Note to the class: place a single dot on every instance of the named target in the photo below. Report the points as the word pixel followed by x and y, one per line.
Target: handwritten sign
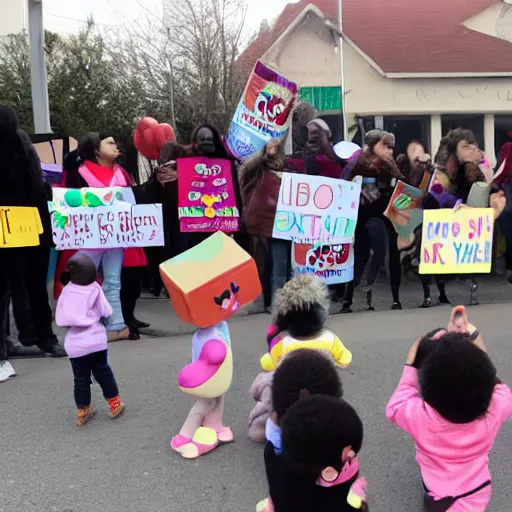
pixel 404 209
pixel 19 226
pixel 206 196
pixel 106 227
pixel 333 264
pixel 314 208
pixel 91 197
pixel 457 242
pixel 263 112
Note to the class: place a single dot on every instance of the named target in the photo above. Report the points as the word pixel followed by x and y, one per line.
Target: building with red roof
pixel 415 67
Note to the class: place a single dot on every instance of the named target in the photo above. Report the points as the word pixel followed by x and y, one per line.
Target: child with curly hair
pixel 301 308
pixel 450 401
pixel 302 374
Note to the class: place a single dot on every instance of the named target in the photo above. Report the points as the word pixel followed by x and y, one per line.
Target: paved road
pixel 48 465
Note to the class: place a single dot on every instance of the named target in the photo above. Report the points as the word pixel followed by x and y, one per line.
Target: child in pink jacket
pixel 81 307
pixel 451 403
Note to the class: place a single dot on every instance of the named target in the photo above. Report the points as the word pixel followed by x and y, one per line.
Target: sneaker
pixel 116 407
pixel 84 414
pixel 9 369
pixel 4 371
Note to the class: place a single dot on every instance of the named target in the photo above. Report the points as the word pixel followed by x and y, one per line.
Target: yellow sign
pixel 457 241
pixel 19 226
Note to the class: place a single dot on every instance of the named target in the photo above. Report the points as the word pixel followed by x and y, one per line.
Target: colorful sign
pixel 314 208
pixel 19 226
pixel 457 241
pixel 103 218
pixel 206 196
pixel 263 112
pixel 333 264
pixel 404 209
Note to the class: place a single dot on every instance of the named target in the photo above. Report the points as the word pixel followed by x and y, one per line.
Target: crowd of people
pixel 459 163
pixel 449 399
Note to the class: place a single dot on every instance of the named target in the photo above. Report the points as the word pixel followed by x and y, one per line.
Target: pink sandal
pixel 204 441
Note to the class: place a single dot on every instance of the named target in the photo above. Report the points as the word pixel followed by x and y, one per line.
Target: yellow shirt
pixel 326 341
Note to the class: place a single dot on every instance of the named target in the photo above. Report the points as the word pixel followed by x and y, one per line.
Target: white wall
pixel 13 16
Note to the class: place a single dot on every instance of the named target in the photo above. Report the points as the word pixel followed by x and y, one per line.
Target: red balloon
pixel 150 136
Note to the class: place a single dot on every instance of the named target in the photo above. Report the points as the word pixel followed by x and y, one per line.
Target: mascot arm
pixel 341 354
pixel 270 359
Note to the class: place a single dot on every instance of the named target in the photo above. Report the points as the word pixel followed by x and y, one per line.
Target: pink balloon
pixel 150 136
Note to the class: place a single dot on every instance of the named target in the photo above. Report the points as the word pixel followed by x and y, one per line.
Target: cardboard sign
pixel 313 208
pixel 91 197
pixel 19 226
pixel 263 112
pixel 211 281
pixel 457 241
pixel 333 264
pixel 404 209
pixel 206 196
pixel 106 227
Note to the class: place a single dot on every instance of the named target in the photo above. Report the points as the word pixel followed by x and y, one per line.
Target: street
pixel 49 465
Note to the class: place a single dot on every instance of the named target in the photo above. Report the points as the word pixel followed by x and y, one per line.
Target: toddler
pixel 81 307
pixel 301 310
pixel 301 374
pixel 451 403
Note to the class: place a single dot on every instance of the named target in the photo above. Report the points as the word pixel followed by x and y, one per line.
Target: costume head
pixel 82 270
pixel 211 281
pixel 321 434
pixel 303 373
pixel 302 306
pixel 101 149
pixel 457 379
pixel 207 141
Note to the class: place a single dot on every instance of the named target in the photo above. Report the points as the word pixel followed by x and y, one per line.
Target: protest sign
pixel 19 226
pixel 457 241
pixel 313 208
pixel 206 196
pixel 404 209
pixel 106 227
pixel 263 112
pixel 91 197
pixel 333 264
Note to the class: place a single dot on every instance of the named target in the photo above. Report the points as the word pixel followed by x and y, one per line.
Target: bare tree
pixel 186 59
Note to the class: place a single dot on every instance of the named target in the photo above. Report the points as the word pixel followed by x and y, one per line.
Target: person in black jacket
pixel 24 270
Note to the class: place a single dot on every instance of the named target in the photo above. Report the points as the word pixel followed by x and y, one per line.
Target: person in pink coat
pixel 81 308
pixel 450 401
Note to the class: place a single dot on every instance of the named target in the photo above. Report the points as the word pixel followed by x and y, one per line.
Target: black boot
pixel 139 324
pixel 52 348
pixel 17 350
pixel 472 291
pixel 369 304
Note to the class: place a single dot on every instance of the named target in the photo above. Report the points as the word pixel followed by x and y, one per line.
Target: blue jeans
pixel 280 254
pixel 111 261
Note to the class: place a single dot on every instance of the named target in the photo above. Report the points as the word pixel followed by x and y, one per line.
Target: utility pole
pixel 342 71
pixel 40 104
pixel 170 79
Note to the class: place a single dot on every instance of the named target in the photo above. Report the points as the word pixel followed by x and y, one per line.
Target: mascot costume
pixel 207 284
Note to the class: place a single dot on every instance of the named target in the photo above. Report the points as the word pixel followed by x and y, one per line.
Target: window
pixel 472 122
pixel 407 128
pixel 502 131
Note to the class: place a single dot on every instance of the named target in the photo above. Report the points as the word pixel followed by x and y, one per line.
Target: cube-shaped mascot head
pixel 211 281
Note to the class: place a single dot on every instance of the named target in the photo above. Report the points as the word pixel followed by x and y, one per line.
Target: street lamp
pixel 40 104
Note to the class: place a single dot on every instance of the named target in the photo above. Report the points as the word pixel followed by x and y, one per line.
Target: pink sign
pixel 206 196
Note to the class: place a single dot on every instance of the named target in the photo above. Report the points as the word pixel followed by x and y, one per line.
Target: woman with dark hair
pixel 97 167
pixel 207 141
pixel 374 232
pixel 23 270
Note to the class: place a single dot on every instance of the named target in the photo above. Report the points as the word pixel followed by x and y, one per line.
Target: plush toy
pixel 207 284
pixel 300 312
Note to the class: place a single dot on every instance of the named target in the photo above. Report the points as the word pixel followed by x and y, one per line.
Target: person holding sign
pixel 374 232
pixel 23 270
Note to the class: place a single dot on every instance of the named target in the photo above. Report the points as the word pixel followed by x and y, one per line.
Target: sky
pixel 69 15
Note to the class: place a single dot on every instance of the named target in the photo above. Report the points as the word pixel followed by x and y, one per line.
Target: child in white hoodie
pixel 81 307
